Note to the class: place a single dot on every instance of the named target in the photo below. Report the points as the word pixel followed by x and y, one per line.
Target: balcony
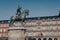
pixel 12 28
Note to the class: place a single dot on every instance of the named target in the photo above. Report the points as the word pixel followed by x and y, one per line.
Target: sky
pixel 36 8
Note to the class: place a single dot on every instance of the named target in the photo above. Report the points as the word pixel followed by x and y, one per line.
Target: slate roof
pixel 32 18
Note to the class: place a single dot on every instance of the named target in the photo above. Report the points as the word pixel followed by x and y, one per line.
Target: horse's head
pixel 26 12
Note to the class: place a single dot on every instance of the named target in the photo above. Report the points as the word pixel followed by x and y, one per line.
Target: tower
pixel 17 31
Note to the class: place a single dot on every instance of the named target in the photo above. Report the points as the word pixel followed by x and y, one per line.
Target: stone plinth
pixel 16 33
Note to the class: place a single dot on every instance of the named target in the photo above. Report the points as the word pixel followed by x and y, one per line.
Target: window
pixel 53 18
pixel 0 30
pixel 44 39
pixel 7 25
pixel 4 30
pixel 55 39
pixel 29 38
pixel 48 18
pixel 34 39
pixel 4 35
pixel 1 25
pixel 50 39
pixel 58 18
pixel 43 19
pixel 0 35
pixel 29 34
pixel 34 34
pixel 39 38
pixel 25 38
pixel 4 25
pixel 6 38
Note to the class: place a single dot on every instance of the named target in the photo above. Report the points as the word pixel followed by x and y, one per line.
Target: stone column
pixel 42 38
pixel 36 38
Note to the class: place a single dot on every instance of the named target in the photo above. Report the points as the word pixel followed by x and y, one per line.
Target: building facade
pixel 33 28
pixel 37 28
pixel 41 28
pixel 4 25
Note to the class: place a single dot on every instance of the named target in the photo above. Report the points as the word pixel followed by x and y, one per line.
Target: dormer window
pixel 53 18
pixel 38 18
pixel 48 18
pixel 58 18
pixel 2 22
pixel 34 20
pixel 43 19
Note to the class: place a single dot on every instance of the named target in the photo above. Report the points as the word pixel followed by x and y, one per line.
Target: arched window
pixel 39 38
pixel 50 39
pixel 44 39
pixel 25 38
pixel 55 39
pixel 29 38
pixel 34 39
pixel 6 39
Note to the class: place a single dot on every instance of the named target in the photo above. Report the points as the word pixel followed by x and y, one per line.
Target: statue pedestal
pixel 16 33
